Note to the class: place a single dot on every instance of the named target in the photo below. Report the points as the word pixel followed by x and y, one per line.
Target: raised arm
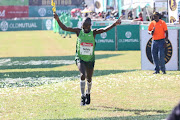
pixel 76 30
pixel 101 30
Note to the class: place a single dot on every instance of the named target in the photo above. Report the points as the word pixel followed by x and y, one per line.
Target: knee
pixel 83 76
pixel 89 79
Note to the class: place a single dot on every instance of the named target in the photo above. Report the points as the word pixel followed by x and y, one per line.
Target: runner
pixel 85 58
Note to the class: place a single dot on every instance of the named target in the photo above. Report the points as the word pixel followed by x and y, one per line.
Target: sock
pixel 82 86
pixel 89 87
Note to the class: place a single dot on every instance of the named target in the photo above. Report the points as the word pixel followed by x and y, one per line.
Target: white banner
pixel 171 52
pixel 173 10
pixel 98 5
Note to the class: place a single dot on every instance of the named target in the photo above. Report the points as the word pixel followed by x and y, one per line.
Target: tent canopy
pixel 137 4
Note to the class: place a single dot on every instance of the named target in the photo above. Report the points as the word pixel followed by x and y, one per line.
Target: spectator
pixel 158 29
pixel 140 18
pixel 130 15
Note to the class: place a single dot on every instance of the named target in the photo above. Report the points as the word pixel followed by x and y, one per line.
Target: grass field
pixel 39 80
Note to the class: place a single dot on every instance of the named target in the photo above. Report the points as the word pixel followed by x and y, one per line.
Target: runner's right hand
pixel 55 16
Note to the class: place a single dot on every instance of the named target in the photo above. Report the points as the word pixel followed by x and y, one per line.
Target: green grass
pixel 50 90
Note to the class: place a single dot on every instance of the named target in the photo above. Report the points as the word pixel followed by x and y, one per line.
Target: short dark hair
pixel 87 19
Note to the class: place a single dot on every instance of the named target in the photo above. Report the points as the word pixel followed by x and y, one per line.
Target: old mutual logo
pixel 48 24
pixel 103 35
pixel 128 34
pixel 42 12
pixel 173 5
pixel 4 26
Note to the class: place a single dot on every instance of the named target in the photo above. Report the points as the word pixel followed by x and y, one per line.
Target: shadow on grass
pixel 38 74
pixel 136 111
pixel 160 114
pixel 42 62
pixel 143 117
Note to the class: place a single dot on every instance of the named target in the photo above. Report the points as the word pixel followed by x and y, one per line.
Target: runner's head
pixel 86 25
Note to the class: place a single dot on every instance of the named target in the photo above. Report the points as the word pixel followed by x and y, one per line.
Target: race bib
pixel 86 48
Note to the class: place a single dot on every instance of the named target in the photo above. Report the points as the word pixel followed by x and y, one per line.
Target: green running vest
pixel 85 46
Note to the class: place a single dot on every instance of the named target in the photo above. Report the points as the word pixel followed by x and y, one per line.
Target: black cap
pixel 156 14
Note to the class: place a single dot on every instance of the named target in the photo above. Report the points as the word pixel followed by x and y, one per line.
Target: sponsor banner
pixel 57 2
pixel 46 11
pixel 14 2
pixel 47 24
pixel 35 2
pixel 171 51
pixel 106 40
pixel 173 11
pixel 20 25
pixel 13 12
pixel 128 37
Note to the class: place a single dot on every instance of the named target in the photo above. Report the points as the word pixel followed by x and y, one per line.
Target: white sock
pixel 82 87
pixel 89 87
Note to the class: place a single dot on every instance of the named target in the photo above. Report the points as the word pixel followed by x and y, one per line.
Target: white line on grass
pixel 8 62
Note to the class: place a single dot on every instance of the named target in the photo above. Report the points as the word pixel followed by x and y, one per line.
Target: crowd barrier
pixel 122 37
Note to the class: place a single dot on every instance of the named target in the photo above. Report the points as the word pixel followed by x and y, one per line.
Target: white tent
pixel 137 3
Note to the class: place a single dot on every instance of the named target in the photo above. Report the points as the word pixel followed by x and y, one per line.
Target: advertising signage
pixel 57 2
pixel 35 2
pixel 14 2
pixel 21 25
pixel 106 40
pixel 128 37
pixel 13 12
pixel 46 11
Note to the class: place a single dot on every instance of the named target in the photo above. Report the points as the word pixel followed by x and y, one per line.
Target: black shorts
pixel 89 65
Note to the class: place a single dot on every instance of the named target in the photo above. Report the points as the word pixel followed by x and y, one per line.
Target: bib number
pixel 86 48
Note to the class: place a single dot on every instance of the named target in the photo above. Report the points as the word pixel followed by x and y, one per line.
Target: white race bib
pixel 86 48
